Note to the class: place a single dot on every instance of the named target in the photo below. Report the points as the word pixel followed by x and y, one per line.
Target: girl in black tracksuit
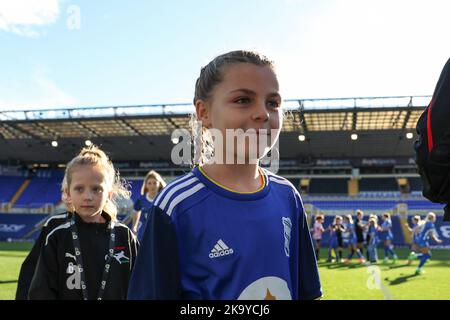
pixel 86 254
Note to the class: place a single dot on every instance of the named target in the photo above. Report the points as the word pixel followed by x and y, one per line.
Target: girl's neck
pixel 150 195
pixel 241 178
pixel 97 218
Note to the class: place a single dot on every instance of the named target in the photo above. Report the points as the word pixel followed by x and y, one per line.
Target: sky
pixel 66 54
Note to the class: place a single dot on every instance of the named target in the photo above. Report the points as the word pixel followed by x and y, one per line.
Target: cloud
pixel 37 93
pixel 21 16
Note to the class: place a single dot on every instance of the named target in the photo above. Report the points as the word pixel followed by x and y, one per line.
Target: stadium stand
pixel 8 187
pixel 378 184
pixel 328 186
pixel 324 166
pixel 415 184
pixel 40 191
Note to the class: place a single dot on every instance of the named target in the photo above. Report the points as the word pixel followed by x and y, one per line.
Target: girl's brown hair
pixel 94 156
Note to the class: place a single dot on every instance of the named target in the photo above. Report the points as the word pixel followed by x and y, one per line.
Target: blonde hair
pixel 431 216
pixel 94 156
pixel 349 218
pixel 152 175
pixel 417 218
pixel 210 76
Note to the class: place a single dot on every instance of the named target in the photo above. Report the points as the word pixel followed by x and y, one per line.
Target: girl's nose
pixel 261 113
pixel 88 196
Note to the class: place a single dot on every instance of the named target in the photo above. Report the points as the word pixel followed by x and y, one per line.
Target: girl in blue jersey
pixel 415 232
pixel 336 229
pixel 427 232
pixel 373 239
pixel 351 240
pixel 386 236
pixel 229 229
pixel 152 184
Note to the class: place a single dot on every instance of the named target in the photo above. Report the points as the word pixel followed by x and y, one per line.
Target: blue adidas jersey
pixel 386 233
pixel 373 235
pixel 427 229
pixel 203 241
pixel 333 234
pixel 144 205
pixel 349 233
pixel 416 234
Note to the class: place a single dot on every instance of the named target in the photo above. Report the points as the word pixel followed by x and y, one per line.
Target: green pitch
pixel 11 258
pixel 396 281
pixel 339 281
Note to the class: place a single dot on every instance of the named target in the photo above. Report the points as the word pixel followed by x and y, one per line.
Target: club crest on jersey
pixel 287 227
pixel 267 288
pixel 220 249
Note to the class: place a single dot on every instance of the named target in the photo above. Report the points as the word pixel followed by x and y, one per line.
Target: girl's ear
pixel 67 200
pixel 65 196
pixel 202 109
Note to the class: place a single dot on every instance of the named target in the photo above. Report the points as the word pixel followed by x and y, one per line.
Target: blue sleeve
pixel 309 281
pixel 156 274
pixel 138 205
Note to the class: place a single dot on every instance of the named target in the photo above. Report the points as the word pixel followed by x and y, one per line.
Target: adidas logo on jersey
pixel 220 249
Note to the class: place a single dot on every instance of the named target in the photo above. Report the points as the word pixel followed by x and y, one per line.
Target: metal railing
pixel 186 108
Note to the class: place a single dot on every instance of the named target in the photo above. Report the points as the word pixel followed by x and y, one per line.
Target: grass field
pixel 339 281
pixel 11 258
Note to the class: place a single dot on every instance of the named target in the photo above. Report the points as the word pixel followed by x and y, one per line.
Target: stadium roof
pixel 130 132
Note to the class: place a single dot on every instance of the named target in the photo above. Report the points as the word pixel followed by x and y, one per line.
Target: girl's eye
pixel 97 189
pixel 273 104
pixel 242 100
pixel 79 189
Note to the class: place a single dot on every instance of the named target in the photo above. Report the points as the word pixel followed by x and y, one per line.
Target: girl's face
pixel 246 98
pixel 152 186
pixel 88 192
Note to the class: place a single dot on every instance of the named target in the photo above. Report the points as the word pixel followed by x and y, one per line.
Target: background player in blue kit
pixel 427 232
pixel 152 184
pixel 373 239
pixel 385 235
pixel 350 240
pixel 336 243
pixel 415 233
pixel 360 231
pixel 228 230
